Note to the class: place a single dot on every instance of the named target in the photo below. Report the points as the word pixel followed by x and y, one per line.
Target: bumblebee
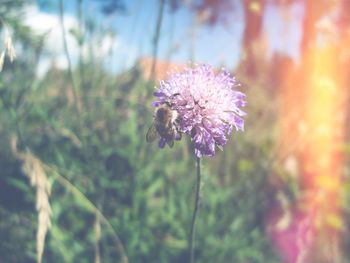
pixel 164 125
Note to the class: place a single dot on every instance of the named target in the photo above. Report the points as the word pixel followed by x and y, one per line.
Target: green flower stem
pixel 195 212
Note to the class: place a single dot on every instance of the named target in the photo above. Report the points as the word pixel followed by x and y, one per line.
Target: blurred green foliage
pixel 145 193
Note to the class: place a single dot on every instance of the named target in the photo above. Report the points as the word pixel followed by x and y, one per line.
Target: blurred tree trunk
pixel 253 16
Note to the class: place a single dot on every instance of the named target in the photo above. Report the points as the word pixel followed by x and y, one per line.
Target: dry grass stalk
pixel 2 60
pixel 9 48
pixel 34 169
pixel 97 230
pixel 11 53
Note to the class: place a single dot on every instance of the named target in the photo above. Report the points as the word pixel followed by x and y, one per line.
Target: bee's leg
pixel 174 95
pixel 162 142
pixel 178 136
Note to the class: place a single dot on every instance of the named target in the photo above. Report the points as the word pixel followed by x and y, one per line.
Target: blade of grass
pixel 92 207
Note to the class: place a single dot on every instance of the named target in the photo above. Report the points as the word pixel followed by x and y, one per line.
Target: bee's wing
pixel 220 147
pixel 151 134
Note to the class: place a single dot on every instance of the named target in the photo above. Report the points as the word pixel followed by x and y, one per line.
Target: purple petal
pixel 239 123
pixel 156 103
pixel 217 132
pixel 159 94
pixel 203 142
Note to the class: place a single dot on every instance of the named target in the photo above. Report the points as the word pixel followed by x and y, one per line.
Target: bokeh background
pixel 78 181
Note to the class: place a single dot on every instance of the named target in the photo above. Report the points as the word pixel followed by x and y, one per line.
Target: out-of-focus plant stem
pixel 80 43
pixel 71 76
pixel 195 212
pixel 156 37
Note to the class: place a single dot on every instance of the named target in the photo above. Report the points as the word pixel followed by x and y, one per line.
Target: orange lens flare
pixel 324 120
pixel 313 125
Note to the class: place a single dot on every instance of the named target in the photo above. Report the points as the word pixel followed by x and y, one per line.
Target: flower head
pixel 206 103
